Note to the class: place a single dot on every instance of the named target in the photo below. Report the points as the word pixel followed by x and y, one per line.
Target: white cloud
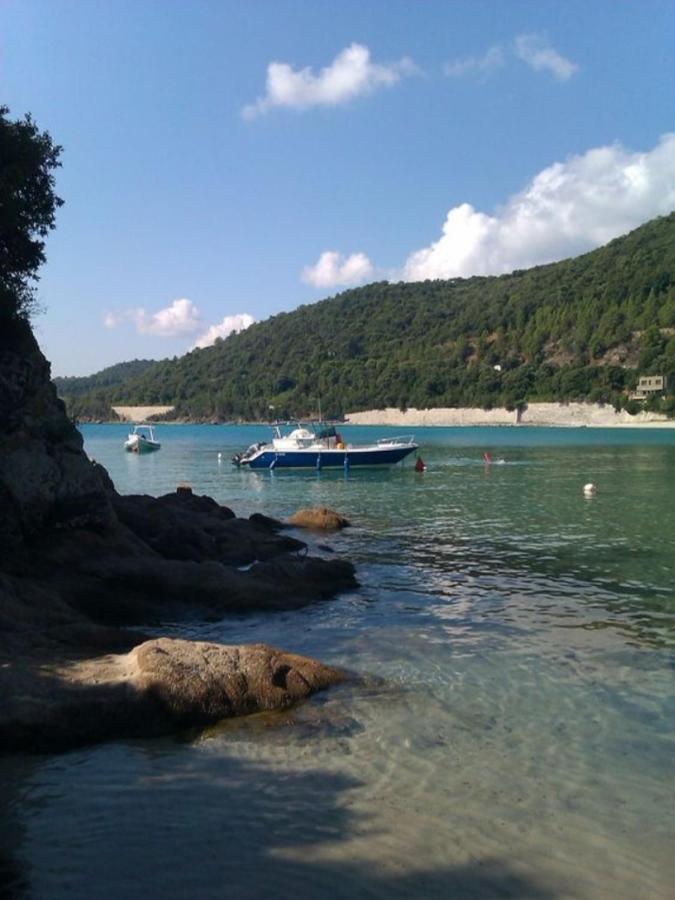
pixel 482 66
pixel 351 74
pixel 533 50
pixel 567 209
pixel 333 269
pixel 229 325
pixel 180 318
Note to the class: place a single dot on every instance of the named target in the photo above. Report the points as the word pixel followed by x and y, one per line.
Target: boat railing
pixel 399 439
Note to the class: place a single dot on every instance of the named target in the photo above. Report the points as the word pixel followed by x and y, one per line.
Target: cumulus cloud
pixel 568 208
pixel 229 325
pixel 333 269
pixel 481 66
pixel 180 318
pixel 533 50
pixel 350 75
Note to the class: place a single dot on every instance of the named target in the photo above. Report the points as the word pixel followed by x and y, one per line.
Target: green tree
pixel 28 207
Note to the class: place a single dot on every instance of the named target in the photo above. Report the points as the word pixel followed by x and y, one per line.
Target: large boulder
pixel 319 518
pixel 197 682
pixel 55 702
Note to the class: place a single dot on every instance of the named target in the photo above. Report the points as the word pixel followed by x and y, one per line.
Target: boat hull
pixel 329 459
pixel 141 446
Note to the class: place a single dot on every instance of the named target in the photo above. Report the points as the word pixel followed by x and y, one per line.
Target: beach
pixel 556 415
pixel 140 413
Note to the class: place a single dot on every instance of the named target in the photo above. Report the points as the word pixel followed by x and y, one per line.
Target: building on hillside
pixel 649 386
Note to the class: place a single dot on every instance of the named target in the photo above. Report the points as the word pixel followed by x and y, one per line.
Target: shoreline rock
pixel 158 687
pixel 78 561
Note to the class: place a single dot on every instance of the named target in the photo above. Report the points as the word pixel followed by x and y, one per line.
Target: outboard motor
pixel 240 459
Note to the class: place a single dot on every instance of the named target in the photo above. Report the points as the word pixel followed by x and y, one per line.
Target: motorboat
pixel 319 447
pixel 141 440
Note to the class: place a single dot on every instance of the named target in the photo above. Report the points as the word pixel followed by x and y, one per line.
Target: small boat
pixel 141 440
pixel 319 447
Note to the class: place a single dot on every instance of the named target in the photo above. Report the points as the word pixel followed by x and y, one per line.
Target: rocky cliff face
pixel 77 561
pixel 46 480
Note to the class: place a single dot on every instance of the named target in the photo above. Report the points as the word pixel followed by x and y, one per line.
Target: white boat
pixel 141 440
pixel 322 447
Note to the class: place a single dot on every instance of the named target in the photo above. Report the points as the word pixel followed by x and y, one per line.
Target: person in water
pixel 487 456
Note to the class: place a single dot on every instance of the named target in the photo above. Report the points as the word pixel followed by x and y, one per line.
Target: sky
pixel 226 161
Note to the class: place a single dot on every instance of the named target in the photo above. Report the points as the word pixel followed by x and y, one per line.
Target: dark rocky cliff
pixel 46 481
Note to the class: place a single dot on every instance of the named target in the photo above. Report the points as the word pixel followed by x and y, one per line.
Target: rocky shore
pixel 79 563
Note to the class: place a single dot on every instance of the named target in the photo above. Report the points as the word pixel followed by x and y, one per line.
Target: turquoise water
pixel 520 744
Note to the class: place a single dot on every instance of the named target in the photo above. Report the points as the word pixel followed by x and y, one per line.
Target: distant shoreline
pixel 552 415
pixel 545 415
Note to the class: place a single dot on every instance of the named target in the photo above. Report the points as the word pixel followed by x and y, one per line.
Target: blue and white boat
pixel 322 447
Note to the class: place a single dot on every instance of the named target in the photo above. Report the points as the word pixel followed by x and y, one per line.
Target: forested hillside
pixel 581 329
pixel 96 388
pixel 109 377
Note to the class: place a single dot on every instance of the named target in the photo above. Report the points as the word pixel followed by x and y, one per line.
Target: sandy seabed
pixel 558 415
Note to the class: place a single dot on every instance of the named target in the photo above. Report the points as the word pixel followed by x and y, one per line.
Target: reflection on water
pixel 518 742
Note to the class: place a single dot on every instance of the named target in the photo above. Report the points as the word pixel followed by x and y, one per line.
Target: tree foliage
pixel 28 205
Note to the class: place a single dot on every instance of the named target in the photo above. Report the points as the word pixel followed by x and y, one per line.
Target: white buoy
pixel 220 456
pixel 590 489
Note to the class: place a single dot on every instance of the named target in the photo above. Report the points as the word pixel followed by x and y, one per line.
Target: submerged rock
pixel 320 518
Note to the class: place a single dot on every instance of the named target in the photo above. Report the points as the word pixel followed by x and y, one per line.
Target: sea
pixel 513 731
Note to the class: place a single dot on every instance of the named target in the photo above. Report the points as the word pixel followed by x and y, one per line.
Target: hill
pixel 580 329
pixel 76 386
pixel 96 388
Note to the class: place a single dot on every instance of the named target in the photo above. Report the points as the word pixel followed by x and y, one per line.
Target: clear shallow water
pixel 521 744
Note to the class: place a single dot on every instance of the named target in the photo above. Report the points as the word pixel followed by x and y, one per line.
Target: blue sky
pixel 224 161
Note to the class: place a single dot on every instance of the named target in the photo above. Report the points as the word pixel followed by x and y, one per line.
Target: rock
pixel 77 560
pixel 183 526
pixel 320 518
pixel 46 481
pixel 199 683
pixel 265 522
pixel 56 703
pixel 308 578
pixel 118 590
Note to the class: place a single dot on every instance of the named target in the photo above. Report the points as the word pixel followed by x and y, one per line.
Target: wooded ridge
pixel 580 329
